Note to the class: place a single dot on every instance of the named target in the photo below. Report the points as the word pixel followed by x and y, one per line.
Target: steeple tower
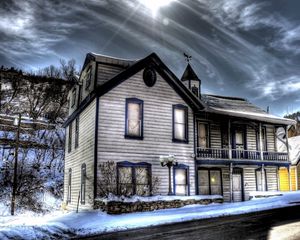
pixel 190 78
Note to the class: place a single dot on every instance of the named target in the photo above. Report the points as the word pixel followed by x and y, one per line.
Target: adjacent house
pixel 134 112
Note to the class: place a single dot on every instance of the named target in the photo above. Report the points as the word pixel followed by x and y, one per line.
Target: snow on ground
pixel 93 222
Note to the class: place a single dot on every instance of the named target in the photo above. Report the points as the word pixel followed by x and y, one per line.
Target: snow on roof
pixel 239 107
pixel 94 222
pixel 294 148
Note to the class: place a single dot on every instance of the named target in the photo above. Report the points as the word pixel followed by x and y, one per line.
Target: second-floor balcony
pixel 222 153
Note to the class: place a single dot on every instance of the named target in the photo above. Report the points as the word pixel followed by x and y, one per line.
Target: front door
pixel 237 188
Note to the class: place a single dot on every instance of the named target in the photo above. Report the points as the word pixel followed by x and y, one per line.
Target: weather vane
pixel 188 58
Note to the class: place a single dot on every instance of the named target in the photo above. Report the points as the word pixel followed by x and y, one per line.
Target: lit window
pixel 180 125
pixel 181 181
pixel 203 140
pixel 134 118
pixel 209 182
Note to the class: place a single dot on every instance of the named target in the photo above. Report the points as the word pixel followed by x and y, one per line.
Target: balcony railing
pixel 218 153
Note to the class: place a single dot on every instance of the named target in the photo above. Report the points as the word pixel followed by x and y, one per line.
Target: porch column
pixel 231 182
pixel 296 177
pixel 260 143
pixel 229 140
pixel 287 144
pixel 290 178
pixel 278 179
pixel 263 181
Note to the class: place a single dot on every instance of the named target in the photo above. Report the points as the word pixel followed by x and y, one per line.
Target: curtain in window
pixel 202 135
pixel 134 121
pixel 179 124
pixel 181 181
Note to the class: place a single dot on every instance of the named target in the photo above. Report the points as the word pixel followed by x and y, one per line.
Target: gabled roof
pixel 189 74
pixel 239 107
pixel 154 61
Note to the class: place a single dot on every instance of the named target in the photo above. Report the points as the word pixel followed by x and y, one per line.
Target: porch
pixel 223 153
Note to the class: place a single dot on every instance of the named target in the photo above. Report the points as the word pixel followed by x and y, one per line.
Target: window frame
pixel 209 182
pixel 133 166
pixel 207 124
pixel 141 116
pixel 266 180
pixel 77 132
pixel 185 108
pixel 83 183
pixel 69 190
pixel 70 137
pixel 186 168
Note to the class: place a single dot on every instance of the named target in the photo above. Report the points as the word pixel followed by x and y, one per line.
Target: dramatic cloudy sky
pixel 246 48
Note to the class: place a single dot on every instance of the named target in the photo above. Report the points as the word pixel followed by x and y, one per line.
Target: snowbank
pixel 61 225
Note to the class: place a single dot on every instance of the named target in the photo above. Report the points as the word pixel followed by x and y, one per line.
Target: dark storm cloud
pixel 240 47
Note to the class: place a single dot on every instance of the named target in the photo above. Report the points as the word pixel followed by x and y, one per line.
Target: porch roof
pixel 240 107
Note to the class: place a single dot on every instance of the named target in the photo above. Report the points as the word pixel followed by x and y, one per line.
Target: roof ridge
pixel 226 97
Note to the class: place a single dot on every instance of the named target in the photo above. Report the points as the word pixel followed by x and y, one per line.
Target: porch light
pixel 168 161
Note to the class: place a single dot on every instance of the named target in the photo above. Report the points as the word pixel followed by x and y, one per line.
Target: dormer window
pixel 88 78
pixel 73 97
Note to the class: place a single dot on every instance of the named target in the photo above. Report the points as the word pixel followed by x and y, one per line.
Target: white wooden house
pixel 133 112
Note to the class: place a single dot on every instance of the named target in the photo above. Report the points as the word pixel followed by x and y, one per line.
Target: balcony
pixel 218 153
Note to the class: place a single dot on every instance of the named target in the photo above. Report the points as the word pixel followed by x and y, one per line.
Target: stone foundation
pixel 119 207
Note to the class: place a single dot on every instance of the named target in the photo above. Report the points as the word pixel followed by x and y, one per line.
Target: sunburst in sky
pixel 245 48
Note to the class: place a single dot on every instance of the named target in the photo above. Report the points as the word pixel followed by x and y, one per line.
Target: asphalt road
pixel 271 224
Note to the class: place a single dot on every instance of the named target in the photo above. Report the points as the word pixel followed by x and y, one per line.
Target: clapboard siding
pixel 270 138
pixel 249 181
pixel 158 101
pixel 215 135
pixel 251 138
pixel 105 72
pixel 272 179
pixel 83 154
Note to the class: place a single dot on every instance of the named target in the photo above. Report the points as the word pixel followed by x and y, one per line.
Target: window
pixel 195 90
pixel 69 185
pixel 209 181
pixel 70 138
pixel 83 185
pixel 181 183
pixel 88 78
pixel 73 97
pixel 203 135
pixel 224 133
pixel 77 132
pixel 134 178
pixel 259 180
pixel 180 123
pixel 134 118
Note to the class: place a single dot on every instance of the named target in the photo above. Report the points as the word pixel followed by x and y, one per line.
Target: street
pixel 270 224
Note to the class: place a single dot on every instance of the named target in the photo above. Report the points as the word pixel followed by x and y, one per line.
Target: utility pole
pixel 15 182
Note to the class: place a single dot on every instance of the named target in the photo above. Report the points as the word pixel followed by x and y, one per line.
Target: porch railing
pixel 221 153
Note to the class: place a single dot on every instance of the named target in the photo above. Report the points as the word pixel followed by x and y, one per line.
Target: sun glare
pixel 155 5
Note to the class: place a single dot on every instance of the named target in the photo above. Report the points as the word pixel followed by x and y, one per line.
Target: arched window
pixel 83 185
